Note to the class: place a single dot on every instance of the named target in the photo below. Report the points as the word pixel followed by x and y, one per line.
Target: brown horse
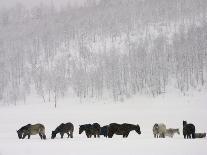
pixel 122 129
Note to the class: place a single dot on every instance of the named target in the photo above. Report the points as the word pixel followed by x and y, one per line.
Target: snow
pixel 170 109
pixel 111 51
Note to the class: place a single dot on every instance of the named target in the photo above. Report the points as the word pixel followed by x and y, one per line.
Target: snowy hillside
pixel 103 49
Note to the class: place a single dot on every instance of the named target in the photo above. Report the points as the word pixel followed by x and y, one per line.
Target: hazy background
pixel 31 3
pixel 114 49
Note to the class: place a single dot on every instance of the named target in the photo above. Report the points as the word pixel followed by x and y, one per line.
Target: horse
pixel 90 129
pixel 29 130
pixel 200 135
pixel 122 129
pixel 170 132
pixel 67 128
pixel 159 130
pixel 188 130
pixel 96 128
pixel 86 128
pixel 104 131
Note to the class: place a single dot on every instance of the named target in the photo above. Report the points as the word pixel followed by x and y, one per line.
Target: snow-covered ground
pixel 169 109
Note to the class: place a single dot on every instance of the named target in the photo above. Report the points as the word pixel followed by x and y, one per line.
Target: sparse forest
pixel 113 48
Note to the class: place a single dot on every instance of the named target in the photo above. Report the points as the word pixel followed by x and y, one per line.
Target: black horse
pixel 104 131
pixel 200 135
pixel 67 128
pixel 86 128
pixel 122 129
pixel 188 130
pixel 90 129
pixel 22 131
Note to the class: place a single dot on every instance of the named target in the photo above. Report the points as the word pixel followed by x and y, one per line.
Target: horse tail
pixel 193 134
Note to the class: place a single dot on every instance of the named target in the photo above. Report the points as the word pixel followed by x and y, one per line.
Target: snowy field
pixel 169 109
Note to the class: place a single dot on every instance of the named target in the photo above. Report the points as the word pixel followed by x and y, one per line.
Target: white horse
pixel 159 130
pixel 170 132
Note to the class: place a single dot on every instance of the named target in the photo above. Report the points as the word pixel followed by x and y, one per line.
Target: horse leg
pixel 189 136
pixel 110 134
pixel 40 135
pixel 126 134
pixel 87 135
pixel 160 135
pixel 68 134
pixel 71 134
pixel 61 134
pixel 24 135
pixel 193 135
pixel 28 136
pixel 43 136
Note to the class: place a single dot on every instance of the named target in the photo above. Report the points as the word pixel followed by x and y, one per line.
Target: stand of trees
pixel 113 47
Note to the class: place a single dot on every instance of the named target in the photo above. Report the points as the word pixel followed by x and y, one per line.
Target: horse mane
pixel 59 127
pixel 25 127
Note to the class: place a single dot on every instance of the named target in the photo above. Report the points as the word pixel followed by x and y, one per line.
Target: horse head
pixel 19 133
pixel 53 134
pixel 138 129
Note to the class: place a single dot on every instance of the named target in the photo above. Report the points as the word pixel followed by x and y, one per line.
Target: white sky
pixel 31 3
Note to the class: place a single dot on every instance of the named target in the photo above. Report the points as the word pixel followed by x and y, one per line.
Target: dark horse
pixel 90 129
pixel 67 128
pixel 188 130
pixel 122 129
pixel 104 131
pixel 200 135
pixel 29 130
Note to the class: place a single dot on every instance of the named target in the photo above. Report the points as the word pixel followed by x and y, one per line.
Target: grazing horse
pixel 200 135
pixel 159 130
pixel 188 130
pixel 122 129
pixel 90 129
pixel 86 128
pixel 67 128
pixel 104 131
pixel 170 132
pixel 29 130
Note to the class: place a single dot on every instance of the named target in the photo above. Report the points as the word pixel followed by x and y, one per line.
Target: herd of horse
pixel 159 130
